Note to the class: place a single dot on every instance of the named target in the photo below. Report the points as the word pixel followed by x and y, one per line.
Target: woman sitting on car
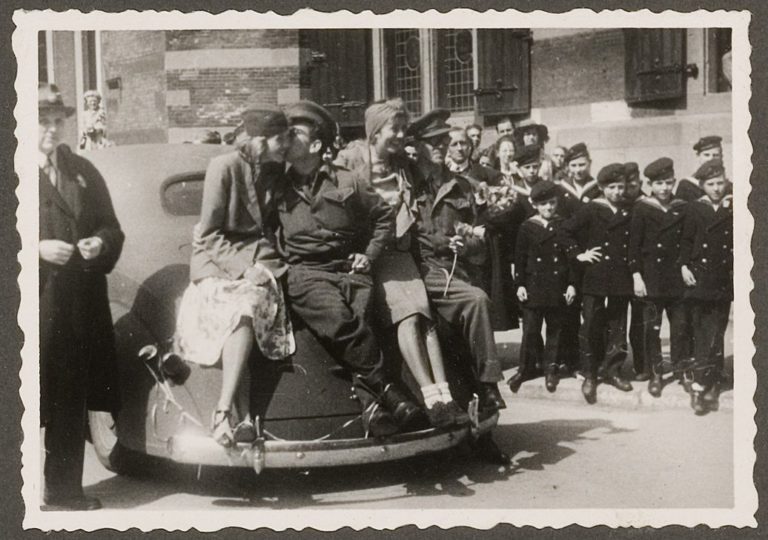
pixel 400 296
pixel 235 298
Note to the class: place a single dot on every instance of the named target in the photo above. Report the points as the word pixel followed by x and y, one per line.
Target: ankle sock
pixel 445 392
pixel 431 395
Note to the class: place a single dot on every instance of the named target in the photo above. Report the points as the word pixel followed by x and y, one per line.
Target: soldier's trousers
pixel 603 334
pixel 710 321
pixel 637 336
pixel 335 306
pixel 532 350
pixel 466 308
pixel 653 308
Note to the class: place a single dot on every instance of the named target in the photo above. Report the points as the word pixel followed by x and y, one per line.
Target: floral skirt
pixel 212 308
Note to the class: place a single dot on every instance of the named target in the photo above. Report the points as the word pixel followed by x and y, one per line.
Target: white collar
pixel 456 168
pixel 42 160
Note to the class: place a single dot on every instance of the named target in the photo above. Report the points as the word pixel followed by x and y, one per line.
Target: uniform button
pixel 703 260
pixel 538 259
pixel 659 245
pixel 554 259
pixel 658 260
pixel 605 243
pixel 623 245
pixel 704 245
pixel 725 246
pixel 607 257
pixel 626 233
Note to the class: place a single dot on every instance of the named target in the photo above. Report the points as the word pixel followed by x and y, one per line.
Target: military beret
pixel 430 125
pixel 610 174
pixel 264 121
pixel 576 151
pixel 543 191
pixel 631 169
pixel 710 141
pixel 527 154
pixel 49 100
pixel 709 169
pixel 316 115
pixel 660 169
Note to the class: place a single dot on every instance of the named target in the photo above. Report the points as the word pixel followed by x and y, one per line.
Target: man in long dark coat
pixel 80 242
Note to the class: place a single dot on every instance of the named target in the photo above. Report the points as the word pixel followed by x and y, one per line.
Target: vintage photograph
pixel 416 268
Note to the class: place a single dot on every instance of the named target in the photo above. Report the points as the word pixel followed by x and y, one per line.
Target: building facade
pixel 630 94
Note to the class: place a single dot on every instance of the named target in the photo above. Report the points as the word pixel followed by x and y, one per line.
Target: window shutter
pixel 504 71
pixel 341 72
pixel 655 64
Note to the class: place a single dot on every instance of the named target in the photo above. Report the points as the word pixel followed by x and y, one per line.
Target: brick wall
pixel 582 68
pixel 137 110
pixel 209 88
pixel 182 40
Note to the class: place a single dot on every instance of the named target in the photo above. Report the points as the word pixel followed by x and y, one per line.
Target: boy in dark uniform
pixel 603 224
pixel 707 148
pixel 654 245
pixel 636 340
pixel 332 230
pixel 706 257
pixel 579 183
pixel 546 277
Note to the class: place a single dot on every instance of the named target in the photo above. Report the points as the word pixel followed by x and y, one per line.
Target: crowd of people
pixel 411 227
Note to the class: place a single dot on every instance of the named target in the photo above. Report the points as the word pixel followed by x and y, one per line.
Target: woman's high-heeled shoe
pixel 222 429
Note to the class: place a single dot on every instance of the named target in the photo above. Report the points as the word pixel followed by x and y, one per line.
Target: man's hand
pixel 361 264
pixel 640 290
pixel 688 278
pixel 590 256
pixel 90 248
pixel 570 295
pixel 56 251
pixel 456 243
pixel 522 294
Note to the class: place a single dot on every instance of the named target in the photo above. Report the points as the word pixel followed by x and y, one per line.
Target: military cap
pixel 576 151
pixel 610 174
pixel 709 169
pixel 315 114
pixel 527 154
pixel 710 141
pixel 264 121
pixel 49 100
pixel 431 124
pixel 631 169
pixel 660 169
pixel 543 191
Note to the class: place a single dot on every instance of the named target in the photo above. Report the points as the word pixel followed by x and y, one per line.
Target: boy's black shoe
pixel 551 378
pixel 620 383
pixel 516 381
pixel 655 385
pixel 407 415
pixel 378 422
pixel 589 389
pixel 697 404
pixel 711 397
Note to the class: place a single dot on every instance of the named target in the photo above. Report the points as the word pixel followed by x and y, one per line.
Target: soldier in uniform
pixel 332 230
pixel 706 148
pixel 546 278
pixel 706 257
pixel 633 194
pixel 654 244
pixel 603 223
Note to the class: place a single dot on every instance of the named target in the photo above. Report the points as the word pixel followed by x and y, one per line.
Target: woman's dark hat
pixel 264 121
pixel 429 125
pixel 49 100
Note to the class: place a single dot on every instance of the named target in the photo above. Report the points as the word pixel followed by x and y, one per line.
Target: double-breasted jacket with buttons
pixel 544 262
pixel 597 225
pixel 75 319
pixel 706 248
pixel 578 195
pixel 654 246
pixel 324 221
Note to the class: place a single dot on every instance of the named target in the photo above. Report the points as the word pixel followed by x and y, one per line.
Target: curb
pixel 569 391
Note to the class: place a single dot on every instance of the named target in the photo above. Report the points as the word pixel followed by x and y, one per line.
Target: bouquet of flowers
pixel 496 198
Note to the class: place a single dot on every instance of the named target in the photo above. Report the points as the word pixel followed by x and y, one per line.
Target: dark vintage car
pixel 306 414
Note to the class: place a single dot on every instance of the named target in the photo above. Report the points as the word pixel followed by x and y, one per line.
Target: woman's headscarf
pixel 379 113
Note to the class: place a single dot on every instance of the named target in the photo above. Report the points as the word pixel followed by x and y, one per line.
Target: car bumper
pixel 201 450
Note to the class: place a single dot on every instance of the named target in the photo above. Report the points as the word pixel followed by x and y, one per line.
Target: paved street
pixel 566 454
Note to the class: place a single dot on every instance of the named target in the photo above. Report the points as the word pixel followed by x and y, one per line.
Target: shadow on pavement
pixel 453 473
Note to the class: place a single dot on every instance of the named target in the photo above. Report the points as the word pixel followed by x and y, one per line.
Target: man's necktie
pixel 50 170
